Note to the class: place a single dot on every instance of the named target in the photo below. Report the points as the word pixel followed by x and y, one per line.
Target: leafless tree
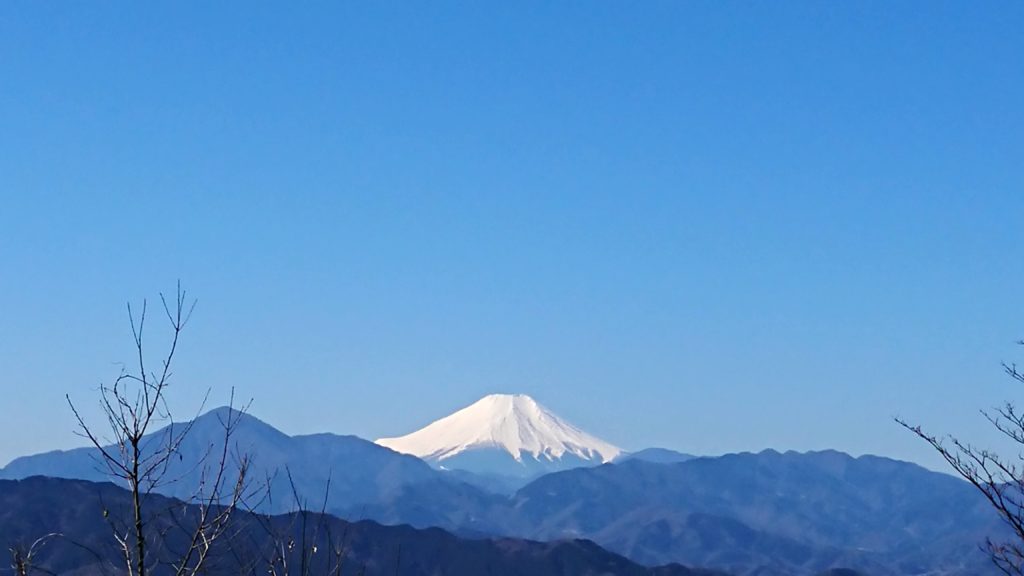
pixel 140 446
pixel 999 479
pixel 133 406
pixel 23 558
pixel 302 545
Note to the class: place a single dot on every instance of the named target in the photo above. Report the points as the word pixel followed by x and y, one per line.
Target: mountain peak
pixel 513 423
pixel 504 404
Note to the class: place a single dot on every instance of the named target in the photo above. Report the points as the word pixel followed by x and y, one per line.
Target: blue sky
pixel 708 226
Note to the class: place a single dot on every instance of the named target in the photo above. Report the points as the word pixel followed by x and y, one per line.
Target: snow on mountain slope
pixel 515 425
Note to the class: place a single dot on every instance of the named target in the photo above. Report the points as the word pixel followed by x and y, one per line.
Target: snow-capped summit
pixel 504 434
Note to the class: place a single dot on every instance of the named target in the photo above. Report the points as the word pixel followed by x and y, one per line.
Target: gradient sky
pixel 701 225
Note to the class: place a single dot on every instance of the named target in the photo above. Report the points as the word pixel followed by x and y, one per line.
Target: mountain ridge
pixel 76 513
pixel 784 512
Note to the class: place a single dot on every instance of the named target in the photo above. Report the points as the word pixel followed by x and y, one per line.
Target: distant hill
pixel 366 480
pixel 786 513
pixel 75 509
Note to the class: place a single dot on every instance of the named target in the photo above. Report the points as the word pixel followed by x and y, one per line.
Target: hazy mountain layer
pixel 790 513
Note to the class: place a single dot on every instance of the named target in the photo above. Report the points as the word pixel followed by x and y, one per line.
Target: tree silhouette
pixel 139 446
pixel 998 478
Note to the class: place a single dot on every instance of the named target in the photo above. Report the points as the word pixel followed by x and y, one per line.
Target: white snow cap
pixel 515 423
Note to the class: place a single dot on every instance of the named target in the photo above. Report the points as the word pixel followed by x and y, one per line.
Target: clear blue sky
pixel 708 226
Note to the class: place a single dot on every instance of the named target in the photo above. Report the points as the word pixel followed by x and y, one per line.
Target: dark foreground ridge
pixel 80 511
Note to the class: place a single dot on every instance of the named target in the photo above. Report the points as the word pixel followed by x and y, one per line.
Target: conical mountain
pixel 505 434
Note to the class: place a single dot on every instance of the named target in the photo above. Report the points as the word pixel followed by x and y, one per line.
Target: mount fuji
pixel 504 435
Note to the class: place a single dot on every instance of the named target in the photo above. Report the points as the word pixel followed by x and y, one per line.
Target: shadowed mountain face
pixel 786 513
pixel 79 511
pixel 366 480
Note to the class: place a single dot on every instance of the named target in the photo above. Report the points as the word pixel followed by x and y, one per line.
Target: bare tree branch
pixel 999 480
pixel 183 537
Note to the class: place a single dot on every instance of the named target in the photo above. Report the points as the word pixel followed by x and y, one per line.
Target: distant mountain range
pixel 765 514
pixel 769 513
